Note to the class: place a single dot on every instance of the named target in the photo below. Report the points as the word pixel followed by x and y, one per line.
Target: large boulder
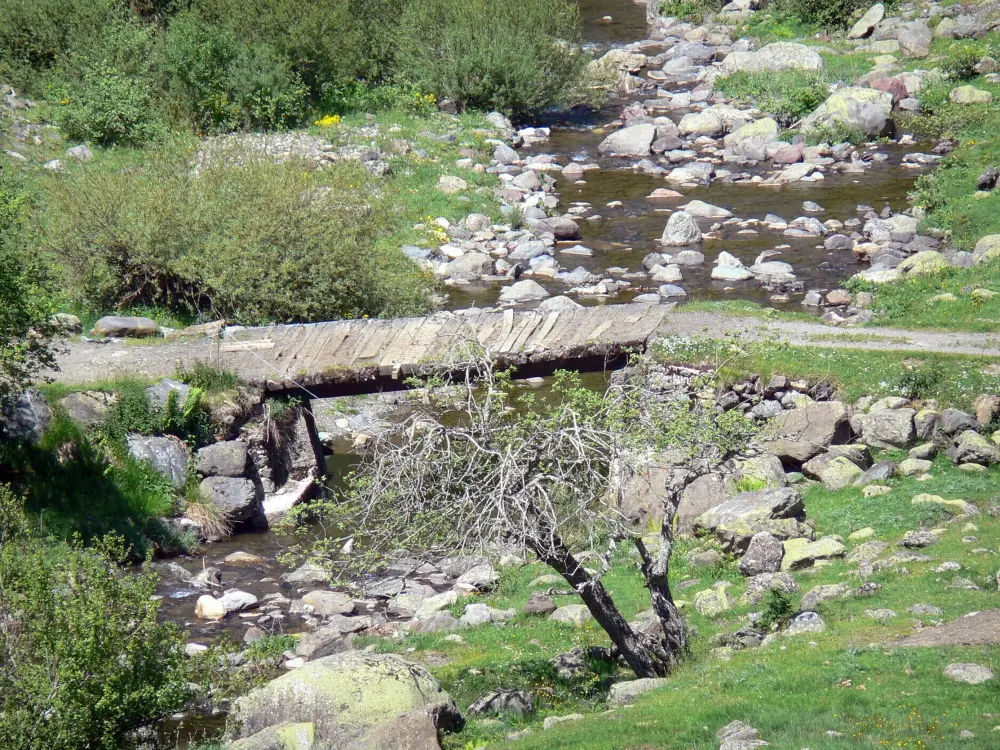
pixel 469 267
pixel 235 497
pixel 523 291
pixel 225 459
pixel 285 736
pixel 986 249
pixel 160 395
pixel 27 418
pixel 561 227
pixel 887 428
pixel 681 230
pixel 779 512
pixel 115 325
pixel 915 39
pixel 773 57
pixel 344 696
pixel 763 555
pixel 634 140
pixel 753 140
pixel 805 432
pixel 87 407
pixel 867 23
pixel 168 455
pixel 972 448
pixel 801 553
pixel 863 109
pixel 705 122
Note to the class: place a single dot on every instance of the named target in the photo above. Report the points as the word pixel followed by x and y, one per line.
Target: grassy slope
pixel 793 691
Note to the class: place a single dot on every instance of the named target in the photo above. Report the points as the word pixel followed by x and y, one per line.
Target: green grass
pixel 845 680
pixel 747 308
pixel 953 379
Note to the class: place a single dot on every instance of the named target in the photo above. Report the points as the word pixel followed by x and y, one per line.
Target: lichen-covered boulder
pixel 635 140
pixel 344 696
pixel 753 139
pixel 735 521
pixel 801 553
pixel 773 57
pixel 863 109
pixel 972 448
pixel 286 736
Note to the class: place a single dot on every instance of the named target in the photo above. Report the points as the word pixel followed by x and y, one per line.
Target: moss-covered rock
pixel 285 736
pixel 344 696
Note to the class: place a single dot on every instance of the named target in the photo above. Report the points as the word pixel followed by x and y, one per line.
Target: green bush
pixel 691 10
pixel 132 412
pixel 36 34
pixel 216 82
pixel 512 55
pixel 86 662
pixel 109 96
pixel 825 13
pixel 961 59
pixel 246 239
pixel 24 312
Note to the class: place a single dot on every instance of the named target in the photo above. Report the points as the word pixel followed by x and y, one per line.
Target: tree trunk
pixel 656 569
pixel 643 660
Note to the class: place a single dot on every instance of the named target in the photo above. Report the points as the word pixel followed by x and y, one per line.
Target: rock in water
pixel 635 140
pixel 681 230
pixel 863 109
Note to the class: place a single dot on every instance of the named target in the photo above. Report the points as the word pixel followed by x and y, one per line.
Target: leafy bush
pixel 246 239
pixel 512 55
pixel 36 34
pixel 86 662
pixel 778 610
pixel 788 96
pixel 24 313
pixel 961 59
pixel 825 13
pixel 216 82
pixel 692 10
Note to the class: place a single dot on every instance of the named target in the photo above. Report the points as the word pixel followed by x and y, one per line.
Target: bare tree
pixel 475 467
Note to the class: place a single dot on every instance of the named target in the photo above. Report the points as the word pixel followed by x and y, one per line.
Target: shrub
pixel 692 10
pixel 961 59
pixel 24 312
pixel 35 34
pixel 246 239
pixel 86 663
pixel 513 55
pixel 825 13
pixel 214 81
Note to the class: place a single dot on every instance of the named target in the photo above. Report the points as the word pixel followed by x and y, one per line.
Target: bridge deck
pixel 369 355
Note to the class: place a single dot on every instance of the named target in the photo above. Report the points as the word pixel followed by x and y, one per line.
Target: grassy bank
pixel 845 680
pixel 954 380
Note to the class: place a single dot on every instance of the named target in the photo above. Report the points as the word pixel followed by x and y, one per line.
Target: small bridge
pixel 365 356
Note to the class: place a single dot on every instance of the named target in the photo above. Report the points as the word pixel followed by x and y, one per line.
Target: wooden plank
pixel 525 334
pixel 522 322
pixel 544 329
pixel 402 342
pixel 373 342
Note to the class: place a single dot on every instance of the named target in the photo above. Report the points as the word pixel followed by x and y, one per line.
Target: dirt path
pixel 84 362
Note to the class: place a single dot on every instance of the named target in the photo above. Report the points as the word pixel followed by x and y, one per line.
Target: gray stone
pixel 469 267
pixel 758 586
pixel 27 418
pixel 773 57
pixel 806 431
pixel 915 39
pixel 972 448
pixel 681 230
pixel 888 428
pixel 87 407
pixel 561 227
pixel 971 674
pixel 236 498
pixel 623 693
pixel 763 555
pixel 523 291
pixel 168 455
pixel 159 395
pixel 504 703
pixel 114 325
pixel 863 109
pixel 867 23
pixel 635 140
pixel 225 459
pixel 806 622
pixel 576 615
